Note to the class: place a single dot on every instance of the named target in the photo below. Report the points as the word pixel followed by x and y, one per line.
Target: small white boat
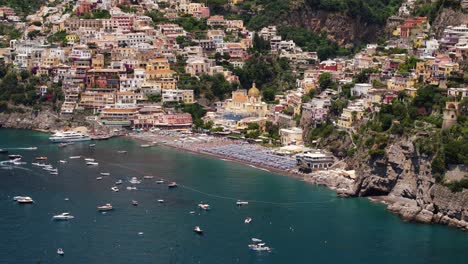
pixel 31 148
pixel 160 201
pixel 172 185
pixel 204 206
pixel 145 145
pixel 148 177
pixel 99 178
pixel 115 189
pixel 240 203
pixel 134 180
pixel 63 217
pixel 198 230
pixel 122 151
pixel 62 161
pixel 248 220
pixel 25 200
pixel 36 164
pixel 160 181
pixel 131 188
pixel 60 252
pixel 92 145
pixel 50 169
pixel 256 240
pixel 118 182
pixel 105 173
pixel 259 247
pixel 75 157
pixel 192 212
pixel 53 173
pixel 106 207
pixel 89 159
pixel 135 203
pixel 89 163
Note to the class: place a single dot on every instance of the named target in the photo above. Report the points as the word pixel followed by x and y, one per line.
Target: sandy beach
pixel 223 148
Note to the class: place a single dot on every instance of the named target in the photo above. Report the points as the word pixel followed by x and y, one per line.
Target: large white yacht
pixel 68 136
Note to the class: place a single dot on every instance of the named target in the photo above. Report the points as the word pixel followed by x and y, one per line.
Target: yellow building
pixel 246 103
pixel 72 38
pixel 350 115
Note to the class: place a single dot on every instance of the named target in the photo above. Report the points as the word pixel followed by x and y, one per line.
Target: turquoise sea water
pixel 301 222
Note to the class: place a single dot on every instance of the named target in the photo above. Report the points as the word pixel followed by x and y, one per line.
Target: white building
pixel 360 89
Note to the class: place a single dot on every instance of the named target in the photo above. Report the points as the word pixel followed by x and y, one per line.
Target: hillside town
pixel 124 65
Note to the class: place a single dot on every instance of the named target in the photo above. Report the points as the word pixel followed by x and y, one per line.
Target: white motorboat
pixel 62 161
pixel 89 159
pixel 36 164
pixel 148 177
pixel 114 189
pixel 160 201
pixel 68 136
pixel 135 203
pixel 60 252
pixel 131 188
pixel 122 151
pixel 105 173
pixel 118 182
pixel 92 145
pixel 204 206
pixel 75 157
pixel 53 173
pixel 198 230
pixel 25 200
pixel 145 145
pixel 256 240
pixel 99 178
pixel 89 163
pixel 160 181
pixel 172 185
pixel 63 217
pixel 31 148
pixel 240 203
pixel 248 220
pixel 134 180
pixel 259 247
pixel 106 207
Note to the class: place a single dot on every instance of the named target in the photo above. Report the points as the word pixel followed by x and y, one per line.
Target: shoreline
pixel 224 158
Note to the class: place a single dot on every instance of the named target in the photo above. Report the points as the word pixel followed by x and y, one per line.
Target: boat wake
pixel 26 148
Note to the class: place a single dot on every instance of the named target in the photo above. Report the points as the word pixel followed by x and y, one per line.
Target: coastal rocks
pixel 403 179
pixel 29 119
pixel 344 186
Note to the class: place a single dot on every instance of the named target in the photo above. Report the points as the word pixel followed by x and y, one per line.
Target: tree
pixel 325 81
pixel 154 98
pixel 260 44
pixel 33 34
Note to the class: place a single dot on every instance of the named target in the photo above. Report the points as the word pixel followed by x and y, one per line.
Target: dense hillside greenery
pixel 23 7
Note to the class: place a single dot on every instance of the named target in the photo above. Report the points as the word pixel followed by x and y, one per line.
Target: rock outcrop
pixel 403 179
pixel 338 26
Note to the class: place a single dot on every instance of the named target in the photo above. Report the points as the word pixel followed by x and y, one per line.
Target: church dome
pixel 254 92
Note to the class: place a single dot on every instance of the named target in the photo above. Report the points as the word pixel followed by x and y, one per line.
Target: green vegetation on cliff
pixel 23 7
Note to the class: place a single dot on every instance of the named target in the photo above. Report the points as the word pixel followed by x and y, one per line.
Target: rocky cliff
pixel 402 178
pixel 338 26
pixel 448 17
pixel 44 120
